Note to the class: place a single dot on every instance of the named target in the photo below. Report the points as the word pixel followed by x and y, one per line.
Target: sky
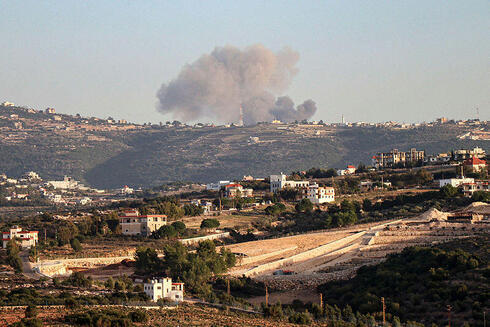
pixel 373 61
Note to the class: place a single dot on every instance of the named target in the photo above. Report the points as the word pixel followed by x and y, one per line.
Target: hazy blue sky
pixel 370 60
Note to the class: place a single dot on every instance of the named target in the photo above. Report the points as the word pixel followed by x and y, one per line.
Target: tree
pixel 480 196
pixel 147 260
pixel 304 205
pixel 166 231
pixel 209 223
pixel 448 191
pixel 75 245
pixel 13 258
pixel 31 311
pixel 179 227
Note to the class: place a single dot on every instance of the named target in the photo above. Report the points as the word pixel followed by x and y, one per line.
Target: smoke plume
pixel 217 84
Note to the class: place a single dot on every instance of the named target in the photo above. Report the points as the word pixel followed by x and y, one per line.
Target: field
pixel 184 316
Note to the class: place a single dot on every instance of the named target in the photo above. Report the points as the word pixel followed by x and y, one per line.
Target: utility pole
pixel 220 201
pixel 228 286
pixel 384 310
pixel 321 301
pixel 484 319
pixel 266 297
pixel 45 236
pixel 449 315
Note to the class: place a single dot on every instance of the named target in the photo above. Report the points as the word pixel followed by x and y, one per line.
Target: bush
pixel 138 316
pixel 75 245
pixel 31 311
pixel 13 258
pixel 179 226
pixel 301 318
pixel 304 205
pixel 28 322
pixel 166 231
pixel 273 311
pixel 210 223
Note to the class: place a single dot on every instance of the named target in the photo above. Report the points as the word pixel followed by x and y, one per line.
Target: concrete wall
pixel 321 250
pixel 195 240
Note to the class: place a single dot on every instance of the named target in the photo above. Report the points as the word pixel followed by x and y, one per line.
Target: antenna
pixel 477 113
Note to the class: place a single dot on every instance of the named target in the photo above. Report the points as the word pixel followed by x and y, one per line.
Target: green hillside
pixel 106 155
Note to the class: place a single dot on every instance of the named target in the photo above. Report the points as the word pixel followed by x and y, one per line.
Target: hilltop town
pixel 110 153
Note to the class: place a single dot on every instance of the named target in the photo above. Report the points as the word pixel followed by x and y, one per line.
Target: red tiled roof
pixel 233 185
pixel 473 161
pixel 350 166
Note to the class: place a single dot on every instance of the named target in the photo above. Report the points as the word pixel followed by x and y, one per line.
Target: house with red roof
pixel 475 164
pixel 235 190
pixel 27 239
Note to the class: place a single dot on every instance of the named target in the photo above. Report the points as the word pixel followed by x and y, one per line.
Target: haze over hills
pixel 108 154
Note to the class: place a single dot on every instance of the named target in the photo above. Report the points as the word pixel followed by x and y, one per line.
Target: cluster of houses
pixel 67 191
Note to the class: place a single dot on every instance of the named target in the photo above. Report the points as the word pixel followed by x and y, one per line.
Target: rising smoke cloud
pixel 217 84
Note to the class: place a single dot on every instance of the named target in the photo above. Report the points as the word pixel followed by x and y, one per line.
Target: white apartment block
pixel 319 195
pixel 162 288
pixel 455 182
pixel 27 239
pixel 278 182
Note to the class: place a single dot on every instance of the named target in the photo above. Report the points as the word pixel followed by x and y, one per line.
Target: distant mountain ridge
pixel 107 154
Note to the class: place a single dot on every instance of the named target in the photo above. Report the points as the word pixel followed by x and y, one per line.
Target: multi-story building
pixel 470 188
pixel 317 194
pixel 163 288
pixel 27 239
pixel 464 154
pixel 394 157
pixel 237 191
pixel 278 182
pixel 216 186
pixel 132 223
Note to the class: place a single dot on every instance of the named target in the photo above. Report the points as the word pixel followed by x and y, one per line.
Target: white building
pixel 164 288
pixel 318 195
pixel 278 182
pixel 347 171
pixel 216 186
pixel 126 190
pixel 27 239
pixel 455 182
pixel 68 183
pixel 31 175
pixel 84 201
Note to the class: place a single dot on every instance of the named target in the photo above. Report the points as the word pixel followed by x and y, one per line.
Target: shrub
pixel 138 316
pixel 301 318
pixel 210 223
pixel 75 245
pixel 31 311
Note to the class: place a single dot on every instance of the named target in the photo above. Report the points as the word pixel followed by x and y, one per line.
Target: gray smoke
pixel 217 84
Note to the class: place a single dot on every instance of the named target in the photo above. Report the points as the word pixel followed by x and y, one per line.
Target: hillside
pixel 420 282
pixel 107 154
